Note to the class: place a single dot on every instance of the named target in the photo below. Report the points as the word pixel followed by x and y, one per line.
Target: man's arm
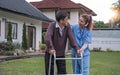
pixel 48 38
pixel 72 40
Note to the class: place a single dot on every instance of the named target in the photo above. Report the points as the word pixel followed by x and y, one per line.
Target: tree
pixel 24 38
pixel 116 9
pixel 9 35
pixel 99 24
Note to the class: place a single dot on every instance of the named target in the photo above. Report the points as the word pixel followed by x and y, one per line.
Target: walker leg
pixel 75 65
pixel 54 64
pixel 49 70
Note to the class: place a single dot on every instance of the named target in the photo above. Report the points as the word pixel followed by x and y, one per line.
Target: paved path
pixel 6 58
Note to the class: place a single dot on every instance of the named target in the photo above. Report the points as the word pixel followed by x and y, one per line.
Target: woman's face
pixel 81 21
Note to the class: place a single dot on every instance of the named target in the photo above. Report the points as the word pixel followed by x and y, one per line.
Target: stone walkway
pixel 28 55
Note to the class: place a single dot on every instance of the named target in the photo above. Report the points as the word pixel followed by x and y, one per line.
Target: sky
pixel 100 7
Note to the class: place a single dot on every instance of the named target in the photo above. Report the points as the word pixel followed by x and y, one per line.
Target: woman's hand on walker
pixel 80 51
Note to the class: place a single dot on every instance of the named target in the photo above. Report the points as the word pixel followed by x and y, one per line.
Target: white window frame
pixel 14 30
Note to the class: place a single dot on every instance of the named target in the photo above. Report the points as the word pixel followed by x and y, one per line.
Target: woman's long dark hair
pixel 88 21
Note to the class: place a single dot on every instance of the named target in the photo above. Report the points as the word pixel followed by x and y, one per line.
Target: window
pixel 14 30
pixel 0 28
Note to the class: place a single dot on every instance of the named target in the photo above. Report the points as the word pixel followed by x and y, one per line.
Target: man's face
pixel 64 22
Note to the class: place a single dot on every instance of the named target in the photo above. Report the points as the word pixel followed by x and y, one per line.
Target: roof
pixel 89 11
pixel 61 4
pixel 24 8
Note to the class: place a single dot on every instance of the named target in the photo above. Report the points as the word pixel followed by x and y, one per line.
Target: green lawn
pixel 102 63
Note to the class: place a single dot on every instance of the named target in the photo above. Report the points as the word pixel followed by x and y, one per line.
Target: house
pixel 18 12
pixel 102 38
pixel 50 7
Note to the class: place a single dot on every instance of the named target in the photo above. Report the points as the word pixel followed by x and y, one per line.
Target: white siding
pixel 73 17
pixel 38 35
pixel 2 31
pixel 19 30
pixel 10 17
pixel 50 14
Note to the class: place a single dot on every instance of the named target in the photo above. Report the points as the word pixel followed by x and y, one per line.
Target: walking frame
pixel 66 59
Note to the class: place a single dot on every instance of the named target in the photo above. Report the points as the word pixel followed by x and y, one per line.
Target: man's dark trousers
pixel 61 64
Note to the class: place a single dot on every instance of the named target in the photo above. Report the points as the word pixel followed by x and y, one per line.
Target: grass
pixel 30 66
pixel 105 63
pixel 102 63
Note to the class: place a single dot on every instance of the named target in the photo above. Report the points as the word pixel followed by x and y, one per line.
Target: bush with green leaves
pixel 42 46
pixel 109 50
pixel 8 53
pixel 19 52
pixel 24 38
pixel 8 48
pixel 95 49
pixel 9 35
pixel 17 45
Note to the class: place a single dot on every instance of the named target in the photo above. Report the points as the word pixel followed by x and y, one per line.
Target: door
pixel 31 37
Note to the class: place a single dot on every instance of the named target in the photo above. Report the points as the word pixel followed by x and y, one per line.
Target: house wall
pixel 15 18
pixel 50 14
pixel 38 35
pixel 19 30
pixel 2 30
pixel 73 15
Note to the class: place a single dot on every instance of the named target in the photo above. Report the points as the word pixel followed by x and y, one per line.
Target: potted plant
pixel 42 47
